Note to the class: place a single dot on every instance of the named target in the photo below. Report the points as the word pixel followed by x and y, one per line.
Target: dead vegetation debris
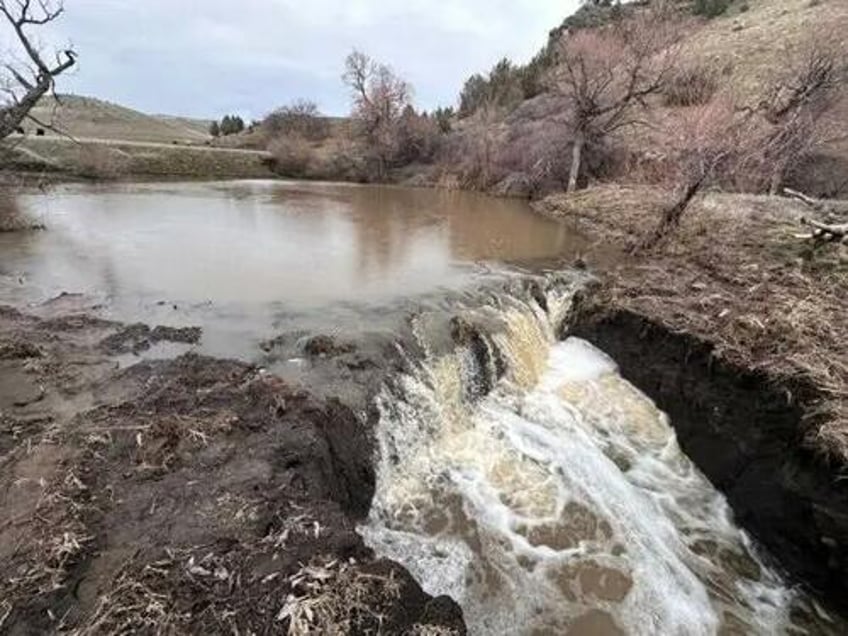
pixel 185 496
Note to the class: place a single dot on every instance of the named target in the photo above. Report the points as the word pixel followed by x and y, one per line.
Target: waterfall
pixel 525 478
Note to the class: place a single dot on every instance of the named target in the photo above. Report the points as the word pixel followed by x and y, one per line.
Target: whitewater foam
pixel 560 502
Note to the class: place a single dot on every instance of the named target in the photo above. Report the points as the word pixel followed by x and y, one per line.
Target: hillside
pixel 526 144
pixel 200 126
pixel 91 118
pixel 754 43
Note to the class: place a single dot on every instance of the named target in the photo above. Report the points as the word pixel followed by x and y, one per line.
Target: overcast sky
pixel 209 57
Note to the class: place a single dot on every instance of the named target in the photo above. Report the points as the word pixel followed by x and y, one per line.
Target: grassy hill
pixel 200 126
pixel 88 117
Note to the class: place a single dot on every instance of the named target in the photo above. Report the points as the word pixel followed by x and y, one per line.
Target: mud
pixel 190 495
pixel 140 337
pixel 746 431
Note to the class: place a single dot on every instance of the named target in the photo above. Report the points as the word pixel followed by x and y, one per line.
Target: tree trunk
pixel 776 180
pixel 576 158
pixel 11 116
pixel 671 217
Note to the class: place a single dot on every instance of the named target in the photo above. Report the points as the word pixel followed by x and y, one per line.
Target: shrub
pixel 299 118
pixel 593 14
pixel 444 119
pixel 417 138
pixel 690 86
pixel 98 161
pixel 231 125
pixel 710 8
pixel 292 156
pixel 473 95
pixel 504 87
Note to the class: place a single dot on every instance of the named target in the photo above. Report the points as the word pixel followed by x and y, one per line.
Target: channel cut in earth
pixel 546 345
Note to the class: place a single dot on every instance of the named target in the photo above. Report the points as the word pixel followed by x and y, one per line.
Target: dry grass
pixel 45 541
pixel 323 597
pixel 336 598
pixel 754 44
pixel 737 276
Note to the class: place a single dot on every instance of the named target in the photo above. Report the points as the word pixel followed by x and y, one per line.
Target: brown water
pixel 236 257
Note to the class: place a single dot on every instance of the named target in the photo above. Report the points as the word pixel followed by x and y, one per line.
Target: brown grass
pixel 737 276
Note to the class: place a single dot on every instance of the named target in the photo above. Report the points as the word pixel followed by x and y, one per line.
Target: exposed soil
pixel 736 328
pixel 190 495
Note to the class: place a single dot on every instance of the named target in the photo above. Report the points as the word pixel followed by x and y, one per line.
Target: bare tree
pixel 606 74
pixel 26 82
pixel 704 145
pixel 301 118
pixel 379 100
pixel 795 105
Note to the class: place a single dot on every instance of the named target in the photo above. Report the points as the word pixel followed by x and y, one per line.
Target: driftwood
pixel 824 232
pixel 817 205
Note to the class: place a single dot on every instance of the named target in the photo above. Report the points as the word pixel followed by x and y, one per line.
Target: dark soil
pixel 188 496
pixel 139 337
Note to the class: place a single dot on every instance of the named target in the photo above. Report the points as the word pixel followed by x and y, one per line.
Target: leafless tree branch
pixel 20 15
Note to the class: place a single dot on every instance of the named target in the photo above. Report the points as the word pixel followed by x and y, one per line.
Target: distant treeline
pixel 229 125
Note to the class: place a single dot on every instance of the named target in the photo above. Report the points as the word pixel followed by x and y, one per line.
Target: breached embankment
pixel 524 477
pixel 504 464
pixel 733 326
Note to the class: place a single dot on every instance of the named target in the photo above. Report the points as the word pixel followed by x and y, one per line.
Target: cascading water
pixel 528 480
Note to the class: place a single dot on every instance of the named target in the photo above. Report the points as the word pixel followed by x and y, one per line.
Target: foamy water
pixel 561 502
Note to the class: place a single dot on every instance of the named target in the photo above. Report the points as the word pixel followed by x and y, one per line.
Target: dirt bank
pixel 190 495
pixel 735 328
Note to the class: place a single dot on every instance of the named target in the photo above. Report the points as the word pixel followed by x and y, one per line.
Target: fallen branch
pixel 805 199
pixel 825 232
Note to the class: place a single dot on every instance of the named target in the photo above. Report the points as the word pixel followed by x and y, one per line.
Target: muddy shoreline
pixel 210 486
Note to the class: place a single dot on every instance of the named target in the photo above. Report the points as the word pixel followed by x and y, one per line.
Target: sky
pixel 205 58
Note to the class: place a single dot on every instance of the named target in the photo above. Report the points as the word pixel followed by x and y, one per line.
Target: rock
pixel 19 350
pixel 323 346
pixel 186 335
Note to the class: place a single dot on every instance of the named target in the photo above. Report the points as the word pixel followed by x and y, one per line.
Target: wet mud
pixel 189 495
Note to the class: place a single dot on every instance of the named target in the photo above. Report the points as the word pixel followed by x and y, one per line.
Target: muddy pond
pixel 244 258
pixel 516 472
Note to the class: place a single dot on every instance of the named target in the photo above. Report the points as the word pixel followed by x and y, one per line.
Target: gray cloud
pixel 208 57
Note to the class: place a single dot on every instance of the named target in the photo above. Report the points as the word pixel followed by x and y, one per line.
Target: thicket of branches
pixel 753 148
pixel 391 131
pixel 300 118
pixel 605 77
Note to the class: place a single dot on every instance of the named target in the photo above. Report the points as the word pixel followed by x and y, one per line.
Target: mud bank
pixel 745 430
pixel 190 495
